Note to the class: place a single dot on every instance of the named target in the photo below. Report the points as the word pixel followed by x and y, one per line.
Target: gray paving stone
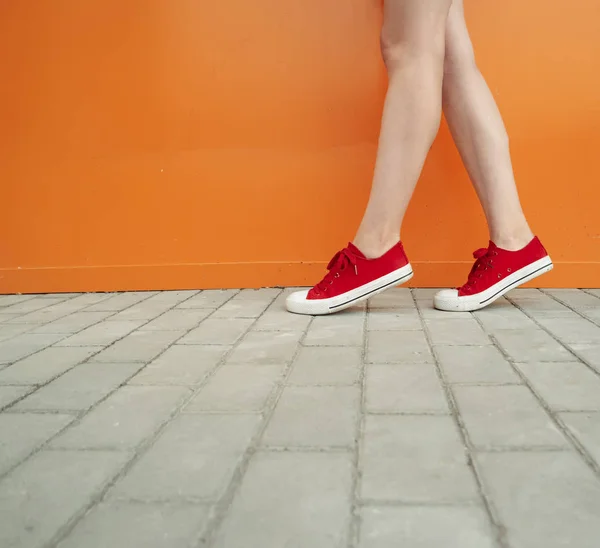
pixel 336 330
pixel 218 331
pixel 503 315
pixel 45 365
pixel 101 334
pixel 279 319
pixel 53 312
pixel 573 329
pixel 428 312
pixel 398 347
pixel 195 457
pixel 586 428
pixel 475 364
pixel 209 299
pixel 10 394
pixel 34 499
pixel 306 505
pixel 22 433
pixel 592 314
pixel 119 301
pixel 506 416
pixel 426 527
pixel 172 298
pixel 574 298
pixel 538 304
pixel 8 331
pixel 138 525
pixel 125 419
pixel 316 365
pixel 414 459
pixel 177 320
pixel 79 388
pixel 532 345
pixel 595 292
pixel 314 416
pixel 144 310
pixel 31 305
pixel 265 348
pixel 403 319
pixel 544 499
pixel 458 332
pixel 139 346
pixel 184 365
pixel 393 300
pixel 564 386
pixel 9 300
pixel 404 388
pixel 23 345
pixel 248 303
pixel 425 293
pixel 588 352
pixel 237 389
pixel 73 323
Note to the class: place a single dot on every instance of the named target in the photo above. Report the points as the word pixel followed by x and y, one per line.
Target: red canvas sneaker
pixel 352 278
pixel 495 272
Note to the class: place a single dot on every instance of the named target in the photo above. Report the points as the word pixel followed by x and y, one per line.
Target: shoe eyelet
pixel 331 282
pixel 499 276
pixel 337 274
pixel 509 270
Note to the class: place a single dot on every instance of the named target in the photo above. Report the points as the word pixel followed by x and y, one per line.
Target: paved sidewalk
pixel 215 419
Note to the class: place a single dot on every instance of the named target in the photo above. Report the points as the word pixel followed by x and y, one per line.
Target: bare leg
pixel 413 43
pixel 480 135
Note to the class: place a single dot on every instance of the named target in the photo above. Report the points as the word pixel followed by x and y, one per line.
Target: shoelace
pixel 341 260
pixel 484 261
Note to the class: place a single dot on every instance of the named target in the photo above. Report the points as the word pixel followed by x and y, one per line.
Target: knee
pixel 398 51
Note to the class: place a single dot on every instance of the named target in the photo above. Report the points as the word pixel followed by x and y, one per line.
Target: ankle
pixel 513 241
pixel 374 247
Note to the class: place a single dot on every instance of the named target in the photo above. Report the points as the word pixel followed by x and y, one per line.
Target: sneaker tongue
pixel 356 251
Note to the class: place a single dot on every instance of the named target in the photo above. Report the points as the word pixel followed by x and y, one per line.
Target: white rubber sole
pixel 299 304
pixel 449 300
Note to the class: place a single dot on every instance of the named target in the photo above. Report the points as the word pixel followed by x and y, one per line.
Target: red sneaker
pixel 495 272
pixel 352 278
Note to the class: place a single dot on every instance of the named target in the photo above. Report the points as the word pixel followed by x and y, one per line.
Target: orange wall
pixel 185 143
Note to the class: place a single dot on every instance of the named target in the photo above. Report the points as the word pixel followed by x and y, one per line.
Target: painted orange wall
pixel 151 144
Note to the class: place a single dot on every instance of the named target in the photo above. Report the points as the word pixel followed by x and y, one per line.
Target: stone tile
pixel 8 331
pixel 79 388
pixel 458 332
pixel 35 501
pixel 506 416
pixel 125 419
pixel 22 433
pixel 403 319
pixel 588 352
pixel 144 310
pixel 265 348
pixel 218 331
pixel 138 525
pixel 194 457
pixel 30 305
pixel 237 389
pixel 139 346
pixel 120 301
pixel 475 364
pixel 574 298
pixel 177 320
pixel 185 365
pixel 573 329
pixel 73 323
pixel 586 428
pixel 45 365
pixel 428 312
pixel 209 299
pixel 414 459
pixel 23 345
pixel 336 330
pixel 503 315
pixel 314 416
pixel 426 527
pixel 564 386
pixel 532 345
pixel 10 394
pixel 248 303
pixel 279 319
pixel 398 347
pixel 405 389
pixel 539 304
pixel 316 365
pixel 53 312
pixel 425 293
pixel 306 505
pixel 595 292
pixel 398 299
pixel 9 300
pixel 592 314
pixel 171 298
pixel 544 499
pixel 101 334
